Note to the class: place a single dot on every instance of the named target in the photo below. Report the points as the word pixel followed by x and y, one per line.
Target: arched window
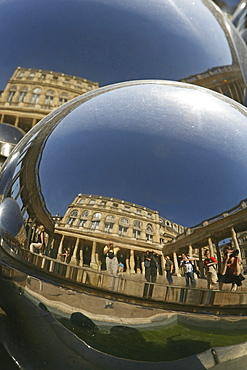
pixel 23 94
pixel 123 226
pixel 97 215
pixel 83 218
pixel 11 94
pixel 63 98
pixel 137 226
pixel 124 221
pixel 109 223
pixel 149 232
pixel 35 95
pixel 49 96
pixel 94 225
pixel 72 217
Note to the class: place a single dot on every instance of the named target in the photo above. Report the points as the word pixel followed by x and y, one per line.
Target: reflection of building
pixel 224 80
pixel 33 93
pixel 91 221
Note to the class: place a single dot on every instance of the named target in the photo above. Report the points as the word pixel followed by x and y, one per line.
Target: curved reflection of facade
pixel 96 170
pixel 179 39
pixel 31 94
pixel 92 221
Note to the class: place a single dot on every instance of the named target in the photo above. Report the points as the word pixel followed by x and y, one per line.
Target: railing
pixel 181 298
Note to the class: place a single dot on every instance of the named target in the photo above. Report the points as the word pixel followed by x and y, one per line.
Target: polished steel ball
pixel 111 41
pixel 168 146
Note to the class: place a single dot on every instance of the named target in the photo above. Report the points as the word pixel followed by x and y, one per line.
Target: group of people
pixel 230 272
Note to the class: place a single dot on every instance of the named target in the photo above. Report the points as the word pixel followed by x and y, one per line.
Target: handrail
pixel 180 298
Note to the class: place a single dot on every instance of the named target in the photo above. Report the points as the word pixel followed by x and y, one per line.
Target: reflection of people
pixel 111 258
pixel 231 270
pixel 65 255
pixel 150 265
pixel 120 268
pixel 39 243
pixel 169 269
pixel 210 266
pixel 188 270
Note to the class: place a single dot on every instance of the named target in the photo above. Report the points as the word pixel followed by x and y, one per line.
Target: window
pixel 94 225
pixel 11 94
pixel 124 221
pixel 108 227
pixel 72 218
pixel 102 203
pixel 49 97
pixel 81 201
pixel 149 232
pixel 97 215
pixel 31 75
pixel 82 222
pixel 83 218
pixel 35 95
pixel 92 201
pixel 122 230
pixel 22 95
pixel 110 218
pixel 63 98
pixel 137 224
pixel 136 234
pixel 115 205
pixel 138 210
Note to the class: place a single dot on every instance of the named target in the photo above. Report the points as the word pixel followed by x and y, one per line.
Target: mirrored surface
pixel 9 137
pixel 140 161
pixel 143 165
pixel 108 42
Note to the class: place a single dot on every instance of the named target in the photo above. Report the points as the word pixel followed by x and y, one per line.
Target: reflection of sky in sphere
pixel 181 151
pixel 111 41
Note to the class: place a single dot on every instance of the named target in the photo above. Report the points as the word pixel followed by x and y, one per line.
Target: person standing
pixel 186 263
pixel 231 271
pixel 169 269
pixel 111 258
pixel 39 243
pixel 211 273
pixel 150 265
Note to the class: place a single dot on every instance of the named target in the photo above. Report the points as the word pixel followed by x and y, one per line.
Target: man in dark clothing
pixel 150 265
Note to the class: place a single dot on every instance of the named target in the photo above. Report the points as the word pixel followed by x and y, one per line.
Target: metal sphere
pixel 110 41
pixel 172 150
pixel 167 146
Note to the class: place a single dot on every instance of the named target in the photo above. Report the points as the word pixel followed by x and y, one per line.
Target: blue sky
pixel 111 41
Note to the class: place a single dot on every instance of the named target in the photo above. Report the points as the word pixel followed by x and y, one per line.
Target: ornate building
pixel 90 222
pixel 31 94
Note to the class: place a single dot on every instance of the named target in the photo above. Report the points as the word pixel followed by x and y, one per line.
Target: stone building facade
pixel 90 222
pixel 31 94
